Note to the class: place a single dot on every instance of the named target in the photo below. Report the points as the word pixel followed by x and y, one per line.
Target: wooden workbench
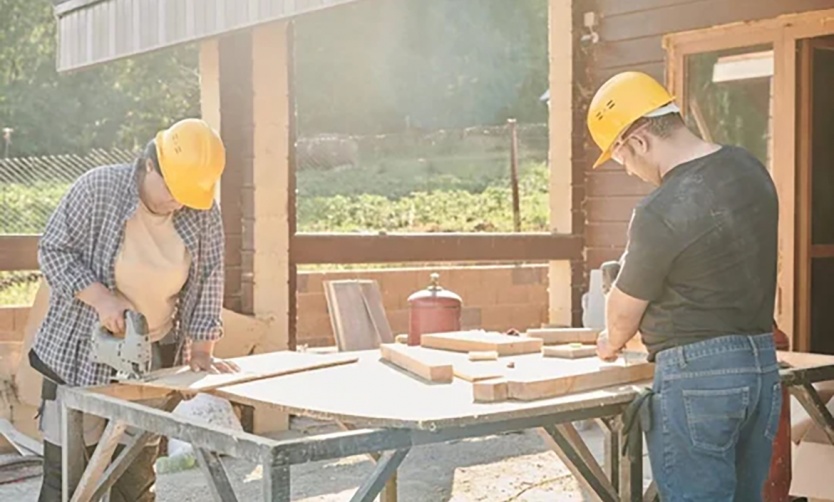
pixel 388 411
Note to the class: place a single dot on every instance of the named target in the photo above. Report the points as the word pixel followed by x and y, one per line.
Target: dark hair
pixel 149 153
pixel 665 125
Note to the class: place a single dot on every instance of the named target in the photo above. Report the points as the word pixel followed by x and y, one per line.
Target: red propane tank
pixel 432 310
pixel 778 483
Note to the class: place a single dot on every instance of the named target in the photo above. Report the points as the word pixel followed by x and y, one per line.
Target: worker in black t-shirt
pixel 698 281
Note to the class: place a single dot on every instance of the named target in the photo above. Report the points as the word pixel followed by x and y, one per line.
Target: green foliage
pixel 439 209
pixel 121 104
pixel 443 204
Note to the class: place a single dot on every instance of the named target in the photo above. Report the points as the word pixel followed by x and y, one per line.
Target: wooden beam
pixel 560 156
pixel 19 252
pixel 439 247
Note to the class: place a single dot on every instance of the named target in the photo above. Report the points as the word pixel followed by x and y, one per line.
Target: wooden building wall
pixel 631 34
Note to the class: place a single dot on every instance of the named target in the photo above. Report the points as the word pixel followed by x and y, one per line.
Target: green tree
pixel 120 104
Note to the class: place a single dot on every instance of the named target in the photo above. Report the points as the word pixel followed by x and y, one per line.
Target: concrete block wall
pixel 494 297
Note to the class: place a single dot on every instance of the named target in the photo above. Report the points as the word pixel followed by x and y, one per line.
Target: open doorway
pixel 815 225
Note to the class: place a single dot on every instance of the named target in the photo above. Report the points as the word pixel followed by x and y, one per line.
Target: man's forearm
pixel 623 314
pixel 619 334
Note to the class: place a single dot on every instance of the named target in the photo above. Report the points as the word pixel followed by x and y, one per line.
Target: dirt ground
pixel 510 467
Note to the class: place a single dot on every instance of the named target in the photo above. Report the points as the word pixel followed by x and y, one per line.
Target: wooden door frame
pixel 790 171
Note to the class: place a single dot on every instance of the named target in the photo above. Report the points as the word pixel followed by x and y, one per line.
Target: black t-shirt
pixel 702 251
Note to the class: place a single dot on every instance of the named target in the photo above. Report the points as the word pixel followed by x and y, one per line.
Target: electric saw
pixel 132 356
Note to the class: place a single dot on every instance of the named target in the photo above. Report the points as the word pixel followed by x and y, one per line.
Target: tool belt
pixel 638 411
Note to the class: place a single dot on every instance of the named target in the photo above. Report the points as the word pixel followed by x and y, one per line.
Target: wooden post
pixel 270 187
pixel 270 179
pixel 514 173
pixel 560 29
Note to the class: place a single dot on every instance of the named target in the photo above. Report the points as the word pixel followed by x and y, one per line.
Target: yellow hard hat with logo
pixel 191 158
pixel 620 102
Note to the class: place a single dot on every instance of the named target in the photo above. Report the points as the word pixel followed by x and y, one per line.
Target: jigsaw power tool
pixel 131 356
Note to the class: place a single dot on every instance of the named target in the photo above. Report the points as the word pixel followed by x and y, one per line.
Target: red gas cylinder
pixel 432 310
pixel 778 483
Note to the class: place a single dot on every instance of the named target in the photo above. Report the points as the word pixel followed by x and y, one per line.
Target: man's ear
pixel 641 143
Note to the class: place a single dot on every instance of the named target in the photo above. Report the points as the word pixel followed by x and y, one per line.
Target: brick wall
pixel 494 297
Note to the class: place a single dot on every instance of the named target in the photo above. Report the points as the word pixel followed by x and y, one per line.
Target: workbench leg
pixel 386 467
pixel 807 396
pixel 215 474
pixel 631 465
pixel 611 454
pixel 73 451
pixel 389 493
pixel 99 461
pixel 276 481
pixel 572 451
pixel 120 464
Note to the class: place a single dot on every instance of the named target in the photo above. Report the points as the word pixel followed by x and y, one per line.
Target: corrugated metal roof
pixel 95 31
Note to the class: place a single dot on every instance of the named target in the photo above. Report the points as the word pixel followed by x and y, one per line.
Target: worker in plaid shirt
pixel 146 237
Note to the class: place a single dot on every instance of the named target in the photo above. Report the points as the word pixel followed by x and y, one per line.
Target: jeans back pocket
pixel 714 417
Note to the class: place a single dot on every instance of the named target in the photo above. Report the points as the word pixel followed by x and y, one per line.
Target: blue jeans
pixel 715 412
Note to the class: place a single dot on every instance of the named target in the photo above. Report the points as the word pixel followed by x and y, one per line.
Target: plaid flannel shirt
pixel 79 247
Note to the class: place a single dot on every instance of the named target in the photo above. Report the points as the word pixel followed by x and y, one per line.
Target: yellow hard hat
pixel 620 102
pixel 192 158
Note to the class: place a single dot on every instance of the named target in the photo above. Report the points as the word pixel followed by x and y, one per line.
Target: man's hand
pixel 605 350
pixel 203 360
pixel 109 306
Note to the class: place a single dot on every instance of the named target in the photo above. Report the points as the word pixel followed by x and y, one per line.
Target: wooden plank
pixel 613 8
pixel 569 351
pixel 257 367
pixel 418 361
pixel 637 51
pixel 534 387
pixel 607 234
pixel 598 256
pixel 19 252
pixel 491 391
pixel 804 162
pixel 610 209
pixel 698 14
pixel 615 182
pixel 552 336
pixel 357 314
pixel 310 248
pixel 468 341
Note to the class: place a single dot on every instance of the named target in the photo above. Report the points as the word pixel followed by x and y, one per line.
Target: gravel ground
pixel 511 467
